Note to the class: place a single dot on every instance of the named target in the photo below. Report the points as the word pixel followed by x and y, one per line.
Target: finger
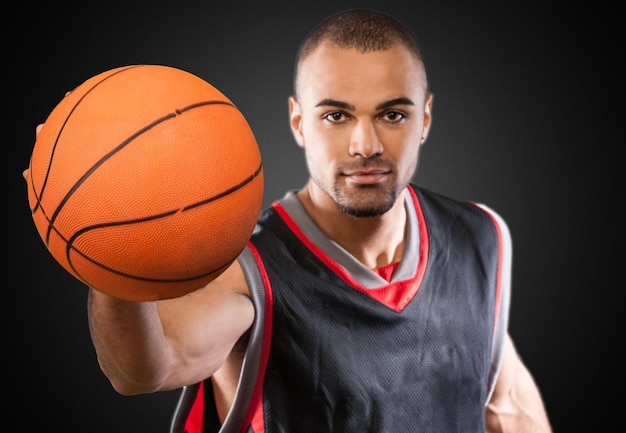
pixel 37 130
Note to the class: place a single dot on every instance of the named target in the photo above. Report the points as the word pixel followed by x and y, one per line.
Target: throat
pixel 377 257
pixel 375 242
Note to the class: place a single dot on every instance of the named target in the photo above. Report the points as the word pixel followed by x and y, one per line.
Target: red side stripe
pixel 194 422
pixel 499 269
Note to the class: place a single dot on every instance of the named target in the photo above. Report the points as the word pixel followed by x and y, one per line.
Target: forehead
pixel 349 75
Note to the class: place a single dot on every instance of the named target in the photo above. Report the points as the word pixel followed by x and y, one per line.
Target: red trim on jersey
pixel 254 415
pixel 395 295
pixel 194 422
pixel 387 271
pixel 499 268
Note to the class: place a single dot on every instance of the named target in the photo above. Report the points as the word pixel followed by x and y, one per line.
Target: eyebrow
pixel 381 106
pixel 335 103
pixel 397 101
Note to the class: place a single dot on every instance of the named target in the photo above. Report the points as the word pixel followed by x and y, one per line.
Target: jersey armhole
pixel 502 320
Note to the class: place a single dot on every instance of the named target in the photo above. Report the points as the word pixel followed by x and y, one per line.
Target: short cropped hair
pixel 362 29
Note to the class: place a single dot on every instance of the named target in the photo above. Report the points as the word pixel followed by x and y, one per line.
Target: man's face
pixel 361 119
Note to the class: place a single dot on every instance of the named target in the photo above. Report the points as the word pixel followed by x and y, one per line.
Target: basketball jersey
pixel 337 348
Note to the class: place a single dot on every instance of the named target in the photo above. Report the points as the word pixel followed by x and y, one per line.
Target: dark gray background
pixel 516 126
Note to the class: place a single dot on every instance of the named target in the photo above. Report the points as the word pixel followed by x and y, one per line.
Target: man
pixel 363 303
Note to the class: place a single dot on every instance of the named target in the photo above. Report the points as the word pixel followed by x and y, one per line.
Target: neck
pixel 374 241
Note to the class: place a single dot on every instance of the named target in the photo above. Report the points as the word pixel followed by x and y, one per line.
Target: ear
pixel 427 116
pixel 295 120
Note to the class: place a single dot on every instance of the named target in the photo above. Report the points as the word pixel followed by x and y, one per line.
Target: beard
pixel 366 200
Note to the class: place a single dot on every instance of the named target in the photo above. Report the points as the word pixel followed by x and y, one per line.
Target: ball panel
pixel 171 171
pixel 101 257
pixel 186 239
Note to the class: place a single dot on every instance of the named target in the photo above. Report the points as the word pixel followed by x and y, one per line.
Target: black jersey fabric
pixel 411 355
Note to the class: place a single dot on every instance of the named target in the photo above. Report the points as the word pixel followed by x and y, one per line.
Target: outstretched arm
pixel 516 405
pixel 151 346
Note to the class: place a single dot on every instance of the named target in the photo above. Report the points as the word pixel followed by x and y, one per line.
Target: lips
pixel 366 172
pixel 367 176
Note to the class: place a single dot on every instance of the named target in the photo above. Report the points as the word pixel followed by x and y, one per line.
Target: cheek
pixel 317 153
pixel 410 161
pixel 324 144
pixel 401 144
pixel 412 151
pixel 405 152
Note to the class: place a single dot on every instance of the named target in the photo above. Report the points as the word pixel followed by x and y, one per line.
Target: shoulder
pixel 456 214
pixel 504 234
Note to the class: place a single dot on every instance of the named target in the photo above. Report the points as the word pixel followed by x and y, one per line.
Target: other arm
pixel 516 405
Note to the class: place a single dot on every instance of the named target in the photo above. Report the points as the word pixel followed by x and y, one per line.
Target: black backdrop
pixel 516 126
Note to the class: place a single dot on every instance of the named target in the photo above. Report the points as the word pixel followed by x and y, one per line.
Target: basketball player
pixel 363 302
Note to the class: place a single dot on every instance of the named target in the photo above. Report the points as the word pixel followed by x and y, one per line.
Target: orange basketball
pixel 145 182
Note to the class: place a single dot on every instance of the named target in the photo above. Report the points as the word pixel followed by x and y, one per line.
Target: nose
pixel 364 141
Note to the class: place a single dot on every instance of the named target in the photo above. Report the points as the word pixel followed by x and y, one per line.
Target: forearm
pixel 129 342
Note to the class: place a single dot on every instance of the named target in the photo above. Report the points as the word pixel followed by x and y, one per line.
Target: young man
pixel 363 303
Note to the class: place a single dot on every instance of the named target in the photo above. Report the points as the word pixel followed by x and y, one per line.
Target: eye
pixel 393 116
pixel 335 117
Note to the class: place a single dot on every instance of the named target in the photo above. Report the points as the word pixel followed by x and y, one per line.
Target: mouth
pixel 366 176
